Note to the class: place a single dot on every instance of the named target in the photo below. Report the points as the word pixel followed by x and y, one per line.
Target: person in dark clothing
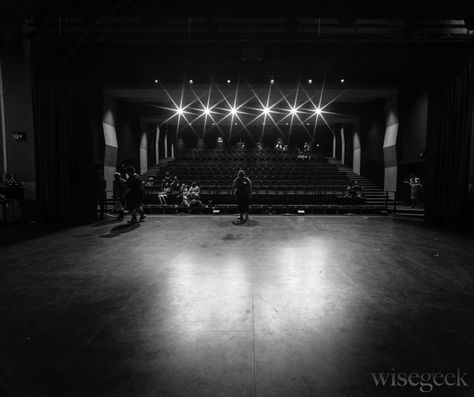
pixel 118 189
pixel 100 191
pixel 242 188
pixel 167 179
pixel 133 195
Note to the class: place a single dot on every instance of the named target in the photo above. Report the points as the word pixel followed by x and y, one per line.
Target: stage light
pixel 317 145
pixel 206 111
pixel 228 81
pixel 342 80
pixel 310 81
pixel 293 111
pixel 233 111
pixel 190 81
pixel 307 123
pixel 179 111
pixel 317 111
pixel 156 81
pixel 272 81
pixel 235 123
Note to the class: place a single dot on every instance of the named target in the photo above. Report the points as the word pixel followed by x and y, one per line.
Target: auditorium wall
pixel 128 135
pixel 411 142
pixel 372 131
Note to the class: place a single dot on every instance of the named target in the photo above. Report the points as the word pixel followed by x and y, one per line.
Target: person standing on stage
pixel 415 190
pixel 242 188
pixel 133 194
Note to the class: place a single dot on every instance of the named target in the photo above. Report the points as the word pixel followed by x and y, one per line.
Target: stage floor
pixel 195 306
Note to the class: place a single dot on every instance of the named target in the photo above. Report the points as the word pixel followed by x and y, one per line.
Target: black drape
pixel 448 148
pixel 67 113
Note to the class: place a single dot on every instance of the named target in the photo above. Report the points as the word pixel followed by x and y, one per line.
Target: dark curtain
pixel 448 149
pixel 67 110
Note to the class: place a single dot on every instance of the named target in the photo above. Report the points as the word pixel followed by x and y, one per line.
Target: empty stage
pixel 195 306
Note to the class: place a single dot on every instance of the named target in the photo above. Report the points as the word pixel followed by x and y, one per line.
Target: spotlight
pixel 317 111
pixel 272 81
pixel 342 80
pixel 307 123
pixel 233 111
pixel 206 111
pixel 266 111
pixel 310 81
pixel 156 81
pixel 317 145
pixel 190 81
pixel 293 111
pixel 180 111
pixel 228 81
pixel 235 123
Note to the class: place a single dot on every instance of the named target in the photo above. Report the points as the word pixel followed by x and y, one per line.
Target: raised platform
pixel 195 306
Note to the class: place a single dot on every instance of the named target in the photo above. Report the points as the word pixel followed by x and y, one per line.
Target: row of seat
pixel 272 209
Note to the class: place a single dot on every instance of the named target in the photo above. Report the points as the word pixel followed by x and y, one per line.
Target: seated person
pixel 278 147
pixel 306 147
pixel 174 185
pixel 194 192
pixel 358 189
pixel 183 194
pixel 167 179
pixel 193 197
pixel 162 196
pixel 354 190
pixel 149 182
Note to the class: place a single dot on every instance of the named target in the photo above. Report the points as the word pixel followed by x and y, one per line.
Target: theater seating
pixel 281 181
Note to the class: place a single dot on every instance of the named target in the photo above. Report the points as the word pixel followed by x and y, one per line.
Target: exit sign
pixel 19 135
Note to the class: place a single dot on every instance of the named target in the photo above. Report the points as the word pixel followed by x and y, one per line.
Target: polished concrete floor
pixel 195 306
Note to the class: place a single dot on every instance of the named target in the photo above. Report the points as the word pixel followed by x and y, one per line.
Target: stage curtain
pixel 67 112
pixel 448 148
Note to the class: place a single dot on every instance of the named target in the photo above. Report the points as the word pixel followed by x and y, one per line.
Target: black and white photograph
pixel 236 199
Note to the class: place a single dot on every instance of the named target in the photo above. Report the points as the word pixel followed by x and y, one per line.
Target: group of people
pixel 129 194
pixel 189 196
